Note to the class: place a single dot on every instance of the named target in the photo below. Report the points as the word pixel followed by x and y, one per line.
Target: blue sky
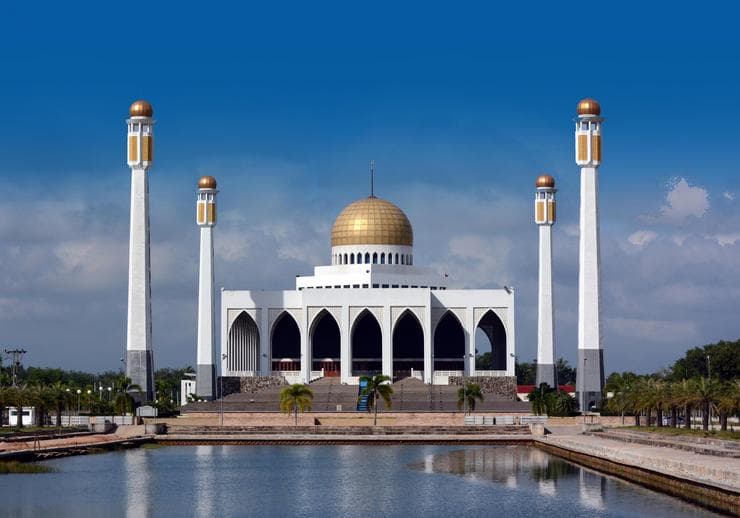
pixel 460 106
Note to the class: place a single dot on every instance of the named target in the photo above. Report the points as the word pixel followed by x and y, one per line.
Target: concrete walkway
pixel 720 472
pixel 123 434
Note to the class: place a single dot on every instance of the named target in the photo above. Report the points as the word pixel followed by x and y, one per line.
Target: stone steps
pixel 347 430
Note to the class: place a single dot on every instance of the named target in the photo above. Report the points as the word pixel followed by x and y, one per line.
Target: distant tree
pixel 484 362
pixel 468 395
pixel 566 375
pixel 724 362
pixel 296 397
pixel 377 388
pixel 526 373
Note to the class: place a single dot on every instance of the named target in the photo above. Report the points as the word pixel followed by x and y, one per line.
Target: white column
pixel 264 359
pixel 470 327
pixel 345 344
pixel 139 326
pixel 589 300
pixel 305 356
pixel 545 326
pixel 206 315
pixel 426 323
pixel 387 326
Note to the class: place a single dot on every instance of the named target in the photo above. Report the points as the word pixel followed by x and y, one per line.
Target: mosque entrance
pixel 490 343
pixel 285 346
pixel 244 345
pixel 367 346
pixel 449 344
pixel 408 346
pixel 325 345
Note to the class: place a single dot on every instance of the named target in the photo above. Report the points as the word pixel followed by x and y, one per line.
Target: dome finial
pixel 372 178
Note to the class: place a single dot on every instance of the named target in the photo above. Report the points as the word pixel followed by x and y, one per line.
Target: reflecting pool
pixel 214 481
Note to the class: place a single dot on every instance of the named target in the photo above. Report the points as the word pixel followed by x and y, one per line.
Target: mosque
pixel 371 309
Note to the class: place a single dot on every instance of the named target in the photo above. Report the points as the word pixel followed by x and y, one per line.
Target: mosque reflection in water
pixel 520 467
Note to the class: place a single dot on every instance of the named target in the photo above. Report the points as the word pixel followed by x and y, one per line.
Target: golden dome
pixel 207 182
pixel 372 221
pixel 141 108
pixel 588 107
pixel 545 180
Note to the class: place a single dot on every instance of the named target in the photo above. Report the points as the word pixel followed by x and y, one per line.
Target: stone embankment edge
pixel 46 453
pixel 716 498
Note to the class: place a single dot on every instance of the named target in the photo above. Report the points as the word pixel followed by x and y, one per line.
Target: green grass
pixel 23 467
pixel 715 434
pixel 25 429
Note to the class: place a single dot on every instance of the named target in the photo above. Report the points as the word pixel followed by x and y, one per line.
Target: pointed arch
pixel 375 258
pixel 382 258
pixel 490 342
pixel 325 344
pixel 285 343
pixel 345 259
pixel 449 343
pixel 366 345
pixel 243 348
pixel 407 345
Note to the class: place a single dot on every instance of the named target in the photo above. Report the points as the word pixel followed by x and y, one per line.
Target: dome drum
pixel 394 255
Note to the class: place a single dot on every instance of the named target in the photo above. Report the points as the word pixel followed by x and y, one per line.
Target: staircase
pixel 362 399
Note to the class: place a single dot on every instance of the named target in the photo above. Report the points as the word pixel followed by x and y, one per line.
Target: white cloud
pixel 642 237
pixel 726 239
pixel 683 201
pixel 663 331
pixel 729 195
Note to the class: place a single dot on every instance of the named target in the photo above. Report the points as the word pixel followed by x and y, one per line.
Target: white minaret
pixel 139 358
pixel 205 382
pixel 544 216
pixel 590 377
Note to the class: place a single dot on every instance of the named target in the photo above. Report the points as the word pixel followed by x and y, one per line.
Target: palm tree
pixel 377 387
pixel 18 397
pixel 538 399
pixel 124 402
pixel 294 397
pixel 468 395
pixel 728 403
pixel 59 399
pixel 706 393
pixel 622 400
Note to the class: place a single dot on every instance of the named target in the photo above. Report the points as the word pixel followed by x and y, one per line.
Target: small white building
pixel 371 310
pixel 28 415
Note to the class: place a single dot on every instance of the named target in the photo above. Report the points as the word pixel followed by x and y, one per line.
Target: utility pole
pixel 17 355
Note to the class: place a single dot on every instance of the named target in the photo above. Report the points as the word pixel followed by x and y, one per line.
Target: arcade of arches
pixel 448 345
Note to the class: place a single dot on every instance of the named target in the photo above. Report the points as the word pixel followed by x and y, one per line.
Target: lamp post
pixel 221 383
pixel 110 389
pixel 68 420
pixel 78 404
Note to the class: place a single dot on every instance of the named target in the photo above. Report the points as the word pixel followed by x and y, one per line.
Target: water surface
pixel 312 481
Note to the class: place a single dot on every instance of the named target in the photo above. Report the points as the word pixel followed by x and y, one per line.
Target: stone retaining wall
pixel 500 386
pixel 250 384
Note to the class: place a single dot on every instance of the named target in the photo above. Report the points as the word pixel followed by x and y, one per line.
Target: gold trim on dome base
pixel 372 221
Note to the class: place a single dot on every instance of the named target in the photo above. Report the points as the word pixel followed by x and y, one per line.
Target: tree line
pixel 59 392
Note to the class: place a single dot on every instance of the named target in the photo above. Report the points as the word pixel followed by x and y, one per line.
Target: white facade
pixel 357 319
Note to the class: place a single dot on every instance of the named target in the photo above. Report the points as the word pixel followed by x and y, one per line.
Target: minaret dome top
pixel 141 108
pixel 588 107
pixel 207 182
pixel 545 180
